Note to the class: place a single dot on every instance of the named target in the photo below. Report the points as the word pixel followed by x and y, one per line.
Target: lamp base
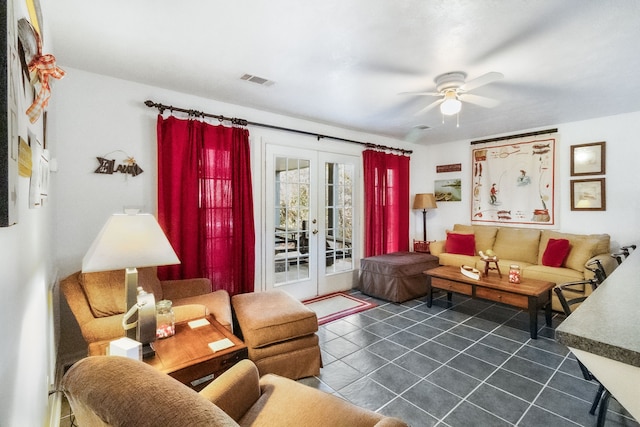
pixel 147 351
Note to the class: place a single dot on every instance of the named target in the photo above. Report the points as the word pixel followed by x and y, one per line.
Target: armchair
pixel 97 301
pixel 110 391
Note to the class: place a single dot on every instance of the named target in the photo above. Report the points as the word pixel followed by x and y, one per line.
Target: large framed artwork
pixel 514 182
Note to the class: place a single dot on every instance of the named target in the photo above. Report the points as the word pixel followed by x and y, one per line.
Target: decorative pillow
pixel 461 244
pixel 105 292
pixel 556 252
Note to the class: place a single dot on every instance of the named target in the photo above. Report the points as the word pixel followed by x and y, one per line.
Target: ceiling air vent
pixel 256 79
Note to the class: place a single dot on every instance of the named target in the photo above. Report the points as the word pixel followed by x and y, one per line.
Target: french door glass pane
pixel 338 217
pixel 291 262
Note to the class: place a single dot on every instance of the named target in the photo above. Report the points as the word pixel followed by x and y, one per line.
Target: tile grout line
pixel 546 384
pixel 482 382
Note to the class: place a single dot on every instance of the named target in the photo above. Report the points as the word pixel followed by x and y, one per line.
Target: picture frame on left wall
pixel 9 141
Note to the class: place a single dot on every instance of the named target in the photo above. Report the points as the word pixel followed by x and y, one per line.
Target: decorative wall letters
pixel 109 167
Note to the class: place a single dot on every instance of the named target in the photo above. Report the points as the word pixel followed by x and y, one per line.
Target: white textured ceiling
pixel 343 62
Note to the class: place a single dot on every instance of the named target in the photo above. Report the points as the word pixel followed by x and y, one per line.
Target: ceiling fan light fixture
pixel 451 104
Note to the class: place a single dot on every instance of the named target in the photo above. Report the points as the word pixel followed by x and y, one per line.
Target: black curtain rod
pixel 521 135
pixel 243 122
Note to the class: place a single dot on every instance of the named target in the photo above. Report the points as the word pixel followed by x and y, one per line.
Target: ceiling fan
pixel 453 90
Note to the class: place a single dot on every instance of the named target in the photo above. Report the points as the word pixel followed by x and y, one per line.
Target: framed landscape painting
pixel 588 159
pixel 588 195
pixel 448 190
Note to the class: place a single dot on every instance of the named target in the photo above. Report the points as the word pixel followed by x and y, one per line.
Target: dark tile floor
pixel 471 365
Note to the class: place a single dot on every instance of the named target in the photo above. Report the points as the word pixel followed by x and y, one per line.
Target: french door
pixel 311 221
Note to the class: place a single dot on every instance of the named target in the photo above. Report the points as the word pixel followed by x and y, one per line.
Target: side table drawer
pixel 199 375
pixel 450 286
pixel 521 301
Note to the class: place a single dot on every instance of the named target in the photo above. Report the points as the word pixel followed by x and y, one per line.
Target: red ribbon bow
pixel 45 67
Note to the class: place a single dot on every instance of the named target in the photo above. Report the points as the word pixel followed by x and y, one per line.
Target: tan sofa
pixel 525 247
pixel 97 300
pixel 115 391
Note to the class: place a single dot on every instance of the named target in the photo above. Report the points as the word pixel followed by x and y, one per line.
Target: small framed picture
pixel 588 159
pixel 588 195
pixel 448 190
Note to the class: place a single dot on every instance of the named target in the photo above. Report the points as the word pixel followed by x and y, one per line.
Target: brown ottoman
pixel 397 276
pixel 280 333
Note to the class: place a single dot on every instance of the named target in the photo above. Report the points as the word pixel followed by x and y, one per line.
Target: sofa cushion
pixel 462 244
pixel 457 260
pixel 105 290
pixel 580 252
pixel 581 247
pixel 518 244
pixel 485 235
pixel 280 396
pixel 556 252
pixel 271 317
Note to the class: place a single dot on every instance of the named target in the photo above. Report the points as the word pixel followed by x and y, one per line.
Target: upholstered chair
pixel 97 300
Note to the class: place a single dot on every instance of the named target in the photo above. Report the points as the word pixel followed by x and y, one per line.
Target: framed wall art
pixel 448 190
pixel 9 73
pixel 513 182
pixel 588 159
pixel 588 194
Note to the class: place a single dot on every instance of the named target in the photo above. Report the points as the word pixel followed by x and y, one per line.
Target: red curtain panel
pixel 205 202
pixel 386 199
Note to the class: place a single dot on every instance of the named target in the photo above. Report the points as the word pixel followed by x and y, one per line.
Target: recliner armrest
pixel 103 328
pixel 236 390
pixel 183 288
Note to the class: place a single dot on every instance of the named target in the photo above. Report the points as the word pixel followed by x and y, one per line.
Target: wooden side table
pixel 186 356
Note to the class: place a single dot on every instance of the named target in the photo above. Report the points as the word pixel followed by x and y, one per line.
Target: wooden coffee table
pixel 186 356
pixel 529 294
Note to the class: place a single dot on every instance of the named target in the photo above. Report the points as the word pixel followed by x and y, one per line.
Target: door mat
pixel 337 305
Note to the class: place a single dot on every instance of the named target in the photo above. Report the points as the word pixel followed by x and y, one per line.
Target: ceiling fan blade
pixel 482 80
pixel 478 100
pixel 420 93
pixel 430 106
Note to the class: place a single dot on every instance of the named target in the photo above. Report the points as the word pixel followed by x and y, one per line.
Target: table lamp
pixel 424 201
pixel 128 241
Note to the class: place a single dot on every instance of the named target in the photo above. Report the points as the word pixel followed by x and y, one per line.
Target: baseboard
pixel 55 399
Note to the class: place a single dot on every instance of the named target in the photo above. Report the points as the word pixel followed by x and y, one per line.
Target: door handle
pixel 315 232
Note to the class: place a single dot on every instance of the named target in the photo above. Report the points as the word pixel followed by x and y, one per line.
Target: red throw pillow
pixel 556 252
pixel 461 244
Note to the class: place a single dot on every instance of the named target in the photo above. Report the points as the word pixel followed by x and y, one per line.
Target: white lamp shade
pixel 128 241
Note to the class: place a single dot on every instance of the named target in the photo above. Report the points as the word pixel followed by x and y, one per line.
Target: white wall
pixel 621 219
pixel 26 275
pixel 97 115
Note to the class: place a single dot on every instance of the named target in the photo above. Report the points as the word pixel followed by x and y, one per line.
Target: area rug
pixel 337 305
